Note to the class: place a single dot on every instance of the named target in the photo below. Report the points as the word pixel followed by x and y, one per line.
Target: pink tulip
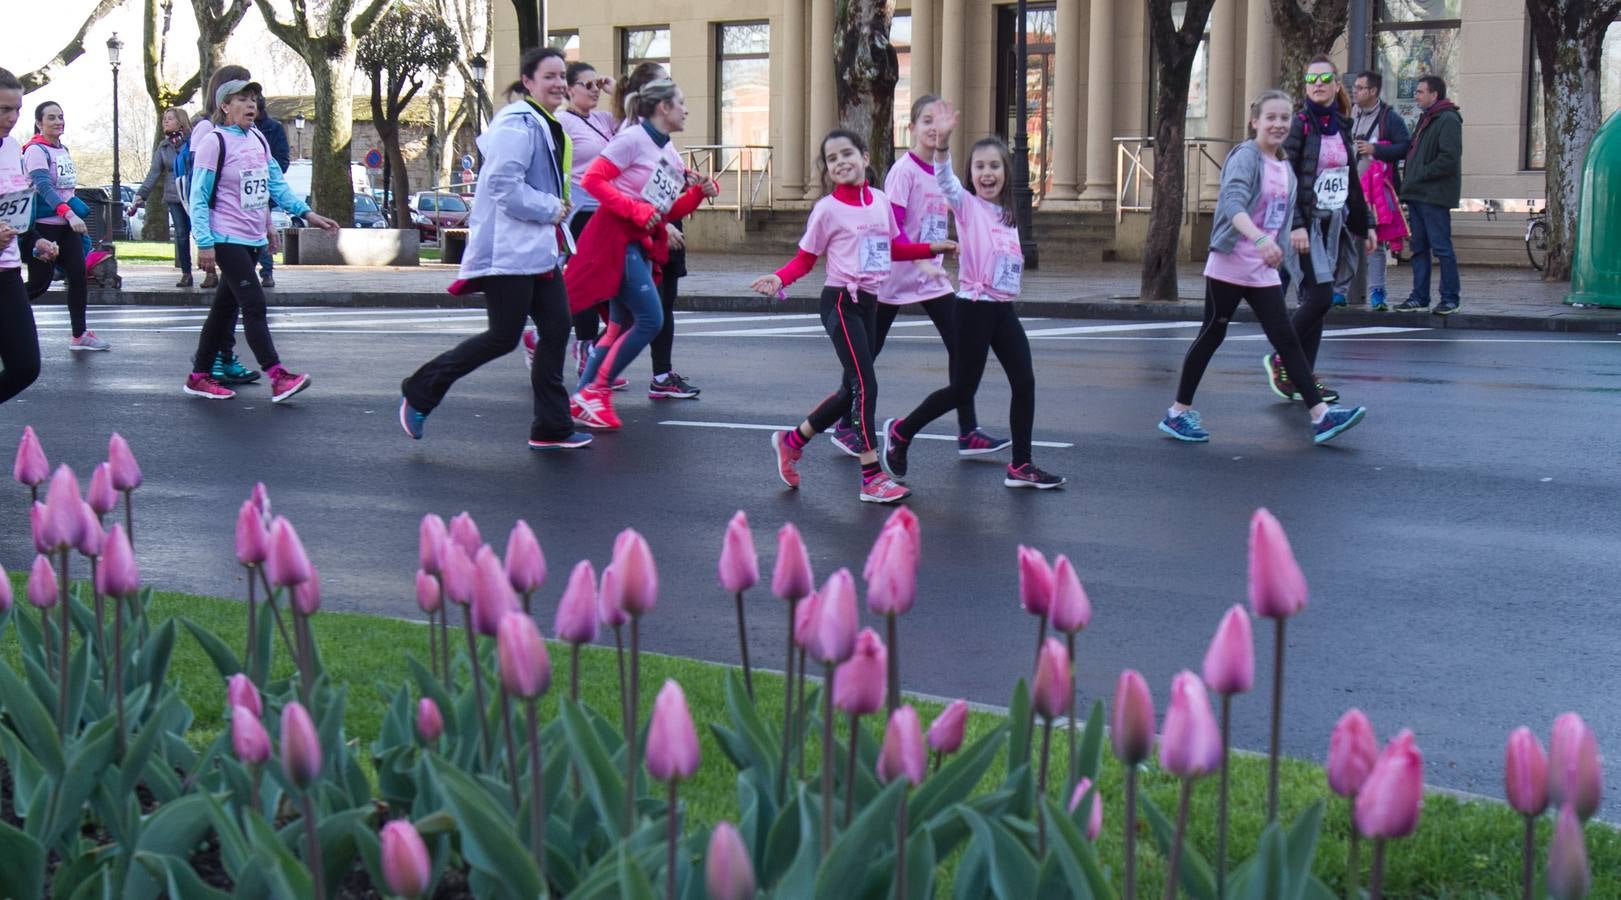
pixel 464 533
pixel 1191 744
pixel 239 691
pixel 1388 804
pixel 260 495
pixel 100 495
pixel 91 536
pixel 804 612
pixel 42 584
pixel 287 564
pixel 306 597
pixel 739 567
pixel 791 579
pixel 117 575
pixel 946 731
pixel 892 573
pixel 611 599
pixel 526 565
pixel 1277 586
pixel 457 574
pixel 492 593
pixel 126 472
pixel 1054 681
pixel 431 537
pixel 832 634
pixel 6 600
pixel 1352 752
pixel 903 754
pixel 406 865
pixel 252 539
pixel 1035 582
pixel 429 598
pixel 1229 664
pixel 1568 875
pixel 672 744
pixel 577 612
pixel 300 746
pixel 1094 820
pixel 1131 719
pixel 1071 610
pixel 249 741
pixel 860 681
pixel 1575 770
pixel 60 522
pixel 430 724
pixel 30 468
pixel 1525 773
pixel 906 521
pixel 639 577
pixel 728 868
pixel 526 670
pixel 36 522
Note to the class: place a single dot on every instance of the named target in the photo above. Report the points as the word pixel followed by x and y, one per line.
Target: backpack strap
pixel 213 192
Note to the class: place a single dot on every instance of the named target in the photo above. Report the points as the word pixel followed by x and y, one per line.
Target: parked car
pixel 367 213
pixel 433 210
pixel 133 225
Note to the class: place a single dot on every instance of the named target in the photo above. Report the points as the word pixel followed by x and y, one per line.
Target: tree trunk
pixel 868 72
pixel 214 27
pixel 531 23
pixel 1305 33
pixel 33 81
pixel 331 191
pixel 1174 49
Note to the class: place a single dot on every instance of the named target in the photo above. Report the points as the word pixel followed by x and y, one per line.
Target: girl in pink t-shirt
pixel 854 226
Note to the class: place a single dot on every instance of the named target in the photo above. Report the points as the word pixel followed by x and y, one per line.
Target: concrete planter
pixel 352 247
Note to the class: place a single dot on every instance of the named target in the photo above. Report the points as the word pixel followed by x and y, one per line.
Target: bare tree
pixel 1306 28
pixel 216 19
pixel 1174 50
pixel 868 71
pixel 157 16
pixel 471 21
pixel 406 44
pixel 33 81
pixel 1569 39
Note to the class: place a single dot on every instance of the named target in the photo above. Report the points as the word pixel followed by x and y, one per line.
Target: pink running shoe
pixel 595 408
pixel 284 384
pixel 884 489
pixel 88 341
pixel 620 383
pixel 531 340
pixel 201 385
pixel 787 459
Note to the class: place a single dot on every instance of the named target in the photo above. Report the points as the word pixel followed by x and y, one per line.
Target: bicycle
pixel 1536 238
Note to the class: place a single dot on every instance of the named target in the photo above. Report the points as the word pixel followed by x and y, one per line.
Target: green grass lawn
pixel 1462 849
pixel 163 252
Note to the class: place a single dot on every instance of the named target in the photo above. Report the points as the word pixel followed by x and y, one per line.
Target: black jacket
pixel 1393 141
pixel 1302 147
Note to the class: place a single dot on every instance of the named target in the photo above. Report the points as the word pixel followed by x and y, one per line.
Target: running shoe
pixel 1444 308
pixel 893 457
pixel 530 341
pixel 267 280
pixel 1028 476
pixel 1185 427
pixel 229 370
pixel 88 341
pixel 1278 378
pixel 284 384
pixel 673 387
pixel 979 443
pixel 884 489
pixel 596 408
pixel 1377 300
pixel 1338 300
pixel 847 439
pixel 1411 305
pixel 1336 421
pixel 412 419
pixel 1328 394
pixel 582 355
pixel 787 458
pixel 583 417
pixel 200 385
pixel 572 442
pixel 620 383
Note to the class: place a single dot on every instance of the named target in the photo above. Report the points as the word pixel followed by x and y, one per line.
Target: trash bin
pixel 100 221
pixel 1596 265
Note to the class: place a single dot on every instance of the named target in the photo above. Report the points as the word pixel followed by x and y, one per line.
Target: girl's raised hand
pixel 946 118
pixel 769 285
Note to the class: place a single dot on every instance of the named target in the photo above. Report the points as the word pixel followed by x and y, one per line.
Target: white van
pixel 300 171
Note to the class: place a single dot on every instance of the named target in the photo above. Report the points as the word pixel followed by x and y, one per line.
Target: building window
pixel 1414 38
pixel 1037 73
pixel 743 89
pixel 639 45
pixel 566 41
pixel 900 37
pixel 1609 96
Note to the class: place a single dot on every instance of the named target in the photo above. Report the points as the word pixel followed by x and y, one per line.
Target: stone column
pixel 1100 86
pixel 954 14
pixel 1223 74
pixel 1066 127
pixel 1260 62
pixel 923 44
pixel 790 162
pixel 822 91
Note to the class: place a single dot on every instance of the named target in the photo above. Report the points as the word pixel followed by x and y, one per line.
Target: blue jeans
pixel 267 261
pixel 1432 233
pixel 638 312
pixel 180 226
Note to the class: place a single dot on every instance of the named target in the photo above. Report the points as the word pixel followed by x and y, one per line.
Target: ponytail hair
pixel 653 95
pixel 1261 100
pixel 631 85
pixel 527 64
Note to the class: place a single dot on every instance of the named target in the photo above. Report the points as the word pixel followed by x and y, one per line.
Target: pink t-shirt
pixel 911 186
pixel 646 170
pixel 590 134
pixel 13 181
pixel 990 262
pixel 1333 173
pixel 854 240
pixel 243 186
pixel 1269 212
pixel 64 174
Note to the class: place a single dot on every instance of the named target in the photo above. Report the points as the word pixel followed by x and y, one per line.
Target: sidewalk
pixel 1493 298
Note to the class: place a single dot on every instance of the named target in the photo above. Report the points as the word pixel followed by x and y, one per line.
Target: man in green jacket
pixel 1431 187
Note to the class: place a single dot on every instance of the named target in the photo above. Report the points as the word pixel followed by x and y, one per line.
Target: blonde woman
pixel 176 135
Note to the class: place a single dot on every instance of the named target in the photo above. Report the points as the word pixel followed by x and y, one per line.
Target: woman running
pixel 513 256
pixel 642 186
pixel 590 128
pixel 50 167
pixel 1331 217
pixel 1254 210
pixel 854 226
pixel 19 341
pixel 233 181
pixel 176 135
pixel 989 278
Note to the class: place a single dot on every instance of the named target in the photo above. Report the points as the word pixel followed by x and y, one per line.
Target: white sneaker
pixel 88 341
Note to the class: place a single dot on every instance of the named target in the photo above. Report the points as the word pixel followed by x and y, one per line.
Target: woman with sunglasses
pixel 590 128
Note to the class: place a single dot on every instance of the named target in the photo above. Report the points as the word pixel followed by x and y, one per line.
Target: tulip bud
pixel 430 724
pixel 42 584
pixel 464 533
pixel 1352 752
pixel 492 593
pixel 804 613
pixel 239 691
pixel 260 495
pixel 672 744
pixel 611 599
pixel 249 741
pixel 905 521
pixel 457 575
pixel 30 468
pixel 728 868
pixel 832 634
pixel 946 731
pixel 739 567
pixel 1131 719
pixel 1229 664
pixel 36 523
pixel 287 564
pixel 126 473
pixel 526 565
pixel 1388 804
pixel 6 600
pixel 576 620
pixel 1054 682
pixel 60 522
pixel 791 579
pixel 1277 586
pixel 1071 610
pixel 252 539
pixel 101 496
pixel 639 577
pixel 902 755
pixel 1575 770
pixel 406 865
pixel 1525 773
pixel 860 682
pixel 428 595
pixel 1035 582
pixel 526 671
pixel 117 575
pixel 1568 875
pixel 1191 744
pixel 91 536
pixel 1094 819
pixel 300 746
pixel 431 536
pixel 306 599
pixel 892 573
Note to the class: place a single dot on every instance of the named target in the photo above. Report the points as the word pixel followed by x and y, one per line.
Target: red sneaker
pixel 597 407
pixel 200 385
pixel 787 459
pixel 884 489
pixel 284 384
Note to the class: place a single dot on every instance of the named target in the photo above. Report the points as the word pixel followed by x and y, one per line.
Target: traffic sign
pixel 467 160
pixel 467 176
pixel 374 158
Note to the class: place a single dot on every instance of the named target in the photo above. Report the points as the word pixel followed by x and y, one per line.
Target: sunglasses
pixel 1320 78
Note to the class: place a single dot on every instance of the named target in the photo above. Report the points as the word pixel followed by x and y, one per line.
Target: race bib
pixel 1272 218
pixel 1006 275
pixel 665 186
pixel 255 189
pixel 875 254
pixel 17 209
pixel 1332 187
pixel 67 174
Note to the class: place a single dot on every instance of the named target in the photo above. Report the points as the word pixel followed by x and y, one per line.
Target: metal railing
pixel 1134 175
pixel 743 171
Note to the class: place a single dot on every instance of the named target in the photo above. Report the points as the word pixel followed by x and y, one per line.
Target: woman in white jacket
pixel 513 256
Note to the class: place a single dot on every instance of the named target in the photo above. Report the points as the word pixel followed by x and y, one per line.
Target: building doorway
pixel 1037 71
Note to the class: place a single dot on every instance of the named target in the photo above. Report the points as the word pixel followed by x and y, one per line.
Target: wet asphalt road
pixel 1461 544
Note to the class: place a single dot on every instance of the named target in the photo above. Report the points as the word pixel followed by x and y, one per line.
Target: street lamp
pixel 298 123
pixel 114 45
pixel 1022 196
pixel 480 67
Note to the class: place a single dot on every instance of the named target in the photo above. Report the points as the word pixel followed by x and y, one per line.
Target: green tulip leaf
pixel 1078 856
pixel 920 863
pixel 764 749
pixel 1268 877
pixel 178 879
pixel 732 745
pixel 1194 873
pixel 26 773
pixel 602 881
pixel 973 879
pixel 489 838
pixel 633 883
pixel 781 844
pixel 31 721
pixel 139 751
pixel 74 790
pixel 1013 871
pixel 22 863
pixel 1018 745
pixel 956 780
pixel 155 653
pixel 224 658
pixel 1092 744
pixel 601 779
pixel 1302 848
pixel 173 829
pixel 799 882
pixel 845 865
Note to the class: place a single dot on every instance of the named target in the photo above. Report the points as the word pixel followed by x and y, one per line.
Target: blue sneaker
pixel 1186 427
pixel 979 442
pixel 847 439
pixel 572 442
pixel 412 419
pixel 1339 299
pixel 1338 421
pixel 1376 299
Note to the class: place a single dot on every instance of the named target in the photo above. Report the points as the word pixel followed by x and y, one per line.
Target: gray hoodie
pixel 1240 185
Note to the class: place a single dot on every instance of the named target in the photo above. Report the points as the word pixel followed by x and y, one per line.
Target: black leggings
pixel 851 323
pixel 70 259
pixel 1315 302
pixel 665 339
pixel 19 342
pixel 238 289
pixel 587 322
pixel 984 326
pixel 508 301
pixel 942 311
pixel 1221 300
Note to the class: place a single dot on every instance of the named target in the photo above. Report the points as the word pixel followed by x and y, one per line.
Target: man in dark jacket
pixel 281 152
pixel 1380 134
pixel 1432 186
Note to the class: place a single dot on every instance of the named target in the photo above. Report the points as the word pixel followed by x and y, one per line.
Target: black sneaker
pixel 1329 394
pixel 893 457
pixel 673 387
pixel 1446 308
pixel 1411 305
pixel 1028 476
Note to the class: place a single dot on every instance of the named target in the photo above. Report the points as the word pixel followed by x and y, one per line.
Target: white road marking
pixel 777 332
pixel 1343 332
pixel 1106 329
pixel 743 426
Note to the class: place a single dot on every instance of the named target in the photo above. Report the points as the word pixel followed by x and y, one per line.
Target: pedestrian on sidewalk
pixel 1432 186
pixel 59 218
pixel 164 173
pixel 1255 208
pixel 514 257
pixel 1381 144
pixel 989 278
pixel 282 154
pixel 234 177
pixel 854 226
pixel 227 369
pixel 19 339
